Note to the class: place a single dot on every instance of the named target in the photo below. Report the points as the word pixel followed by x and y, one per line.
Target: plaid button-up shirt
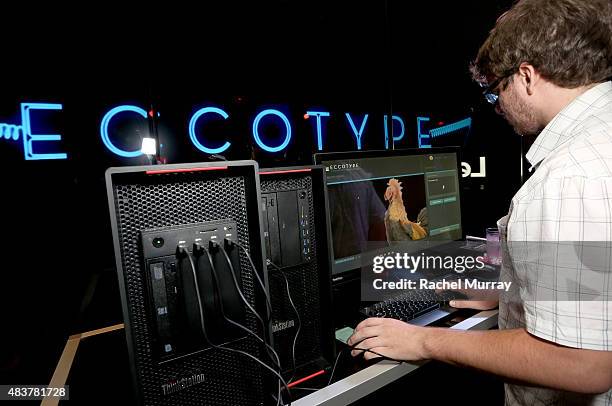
pixel 567 199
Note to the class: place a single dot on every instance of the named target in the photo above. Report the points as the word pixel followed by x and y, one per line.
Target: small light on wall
pixel 148 146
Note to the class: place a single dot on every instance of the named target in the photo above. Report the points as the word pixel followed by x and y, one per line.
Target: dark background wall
pixel 375 57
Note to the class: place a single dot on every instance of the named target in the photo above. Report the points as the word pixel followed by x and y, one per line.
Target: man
pixel 547 66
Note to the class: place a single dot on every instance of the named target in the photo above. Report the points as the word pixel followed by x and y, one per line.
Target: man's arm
pixel 513 354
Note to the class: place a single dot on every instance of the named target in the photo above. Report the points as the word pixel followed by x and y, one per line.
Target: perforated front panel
pixel 143 202
pixel 303 284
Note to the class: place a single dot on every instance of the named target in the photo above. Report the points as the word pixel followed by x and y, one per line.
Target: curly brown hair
pixel 569 42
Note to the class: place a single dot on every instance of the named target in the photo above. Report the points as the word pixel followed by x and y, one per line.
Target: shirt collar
pixel 558 131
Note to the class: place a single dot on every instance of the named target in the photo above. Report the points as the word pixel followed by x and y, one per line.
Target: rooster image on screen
pixel 398 226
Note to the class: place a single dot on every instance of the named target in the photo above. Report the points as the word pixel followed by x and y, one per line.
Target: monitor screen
pixel 377 198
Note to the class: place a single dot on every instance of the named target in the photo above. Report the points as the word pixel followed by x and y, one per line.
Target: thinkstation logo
pixel 183 383
pixel 282 325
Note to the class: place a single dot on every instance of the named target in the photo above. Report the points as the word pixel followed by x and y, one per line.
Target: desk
pixel 374 377
pixel 103 363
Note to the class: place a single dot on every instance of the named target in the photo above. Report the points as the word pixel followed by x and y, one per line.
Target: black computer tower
pixel 164 219
pixel 297 234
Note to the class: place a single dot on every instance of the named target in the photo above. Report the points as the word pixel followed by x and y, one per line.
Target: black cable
pixel 382 357
pixel 268 302
pixel 237 286
pixel 233 273
pixel 218 157
pixel 354 347
pixel 269 349
pixel 235 280
pixel 233 322
pixel 203 327
pixel 297 314
pixel 276 358
pixel 265 291
pixel 221 347
pixel 299 326
pixel 331 377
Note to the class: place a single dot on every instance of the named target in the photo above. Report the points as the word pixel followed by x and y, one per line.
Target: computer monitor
pixel 367 217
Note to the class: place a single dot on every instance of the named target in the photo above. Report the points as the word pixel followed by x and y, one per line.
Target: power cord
pixel 183 251
pixel 218 246
pixel 354 347
pixel 297 315
pixel 276 360
pixel 269 349
pixel 234 278
pixel 331 377
pixel 263 288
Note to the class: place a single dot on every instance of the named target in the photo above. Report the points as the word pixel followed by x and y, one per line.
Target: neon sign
pixel 395 138
pixel 425 137
pixel 104 130
pixel 359 133
pixel 194 138
pixel 13 132
pixel 256 130
pixel 318 115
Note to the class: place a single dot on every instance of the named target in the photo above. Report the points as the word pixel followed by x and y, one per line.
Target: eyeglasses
pixel 489 92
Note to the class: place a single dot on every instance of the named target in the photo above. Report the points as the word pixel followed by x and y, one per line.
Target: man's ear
pixel 528 77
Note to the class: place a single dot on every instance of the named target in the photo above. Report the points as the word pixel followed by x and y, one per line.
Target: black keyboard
pixel 409 305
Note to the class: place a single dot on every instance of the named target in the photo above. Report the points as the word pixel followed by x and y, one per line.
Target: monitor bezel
pixel 329 156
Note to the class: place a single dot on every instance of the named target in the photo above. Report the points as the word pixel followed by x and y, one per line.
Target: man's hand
pixel 474 304
pixel 389 337
pixel 476 299
pixel 514 354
